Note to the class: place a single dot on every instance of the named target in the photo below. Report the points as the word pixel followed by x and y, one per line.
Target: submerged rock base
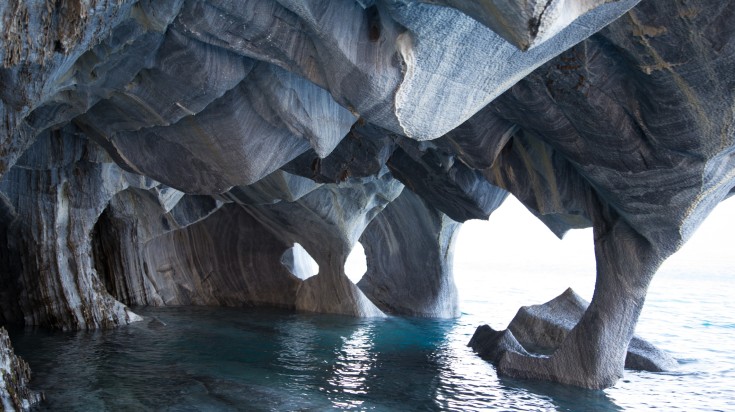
pixel 539 330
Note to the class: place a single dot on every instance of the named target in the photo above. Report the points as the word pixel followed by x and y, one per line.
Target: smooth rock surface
pixel 409 248
pixel 491 344
pixel 524 24
pixel 327 222
pixel 543 328
pixel 53 203
pixel 227 259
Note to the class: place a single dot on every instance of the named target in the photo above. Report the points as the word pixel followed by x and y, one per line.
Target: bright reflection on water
pixel 233 359
pixel 244 359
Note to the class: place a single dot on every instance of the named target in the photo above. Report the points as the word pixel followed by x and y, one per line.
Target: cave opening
pixel 105 255
pixel 523 260
pixel 299 262
pixel 171 154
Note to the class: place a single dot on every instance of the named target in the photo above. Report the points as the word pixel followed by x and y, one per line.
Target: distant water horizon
pixel 220 359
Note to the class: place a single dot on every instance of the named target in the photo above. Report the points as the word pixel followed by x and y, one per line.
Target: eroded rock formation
pixel 14 377
pixel 173 152
pixel 542 329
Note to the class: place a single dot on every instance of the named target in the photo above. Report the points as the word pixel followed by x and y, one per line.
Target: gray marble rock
pixel 15 374
pixel 439 43
pixel 52 206
pixel 229 137
pixel 409 248
pixel 524 24
pixel 202 264
pixel 492 344
pixel 362 153
pixel 462 193
pixel 614 133
pixel 273 188
pixel 40 51
pixel 543 328
pixel 327 223
pixel 137 135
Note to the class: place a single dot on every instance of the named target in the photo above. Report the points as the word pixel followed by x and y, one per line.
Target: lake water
pixel 244 359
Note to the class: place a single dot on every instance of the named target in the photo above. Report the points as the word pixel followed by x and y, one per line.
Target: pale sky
pixel 512 232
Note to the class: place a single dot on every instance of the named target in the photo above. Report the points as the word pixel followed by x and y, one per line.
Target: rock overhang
pixel 164 123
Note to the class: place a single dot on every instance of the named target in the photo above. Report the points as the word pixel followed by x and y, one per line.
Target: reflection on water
pixel 353 362
pixel 246 359
pixel 229 359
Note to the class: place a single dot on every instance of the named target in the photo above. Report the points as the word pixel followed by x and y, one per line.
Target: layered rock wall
pixel 171 152
pixel 409 248
pixel 54 195
pixel 227 259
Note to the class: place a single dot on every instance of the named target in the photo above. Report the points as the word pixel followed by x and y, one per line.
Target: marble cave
pixel 190 152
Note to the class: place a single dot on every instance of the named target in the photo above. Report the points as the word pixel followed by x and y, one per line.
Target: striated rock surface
pixel 227 259
pixel 15 395
pixel 524 24
pixel 492 344
pixel 55 194
pixel 327 222
pixel 542 329
pixel 175 152
pixel 409 249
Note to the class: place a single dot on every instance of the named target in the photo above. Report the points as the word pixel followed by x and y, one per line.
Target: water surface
pixel 247 359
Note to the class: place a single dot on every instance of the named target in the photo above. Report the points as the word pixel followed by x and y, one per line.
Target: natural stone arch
pixel 327 222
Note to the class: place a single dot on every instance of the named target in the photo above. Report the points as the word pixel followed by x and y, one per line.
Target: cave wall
pixel 55 193
pixel 170 152
pixel 327 222
pixel 227 259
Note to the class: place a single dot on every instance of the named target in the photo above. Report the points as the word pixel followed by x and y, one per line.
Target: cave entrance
pixel 105 247
pixel 512 259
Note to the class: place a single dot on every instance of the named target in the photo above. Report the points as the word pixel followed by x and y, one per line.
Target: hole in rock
pixel 299 262
pixel 513 259
pixel 356 264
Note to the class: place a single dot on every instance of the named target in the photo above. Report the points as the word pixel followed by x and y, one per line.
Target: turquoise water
pixel 245 359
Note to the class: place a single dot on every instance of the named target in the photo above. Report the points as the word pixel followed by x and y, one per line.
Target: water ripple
pixel 246 359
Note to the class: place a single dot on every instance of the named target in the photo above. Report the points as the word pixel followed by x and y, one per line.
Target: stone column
pixel 593 354
pixel 409 248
